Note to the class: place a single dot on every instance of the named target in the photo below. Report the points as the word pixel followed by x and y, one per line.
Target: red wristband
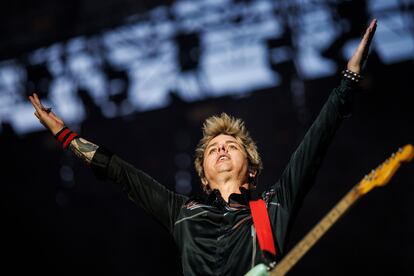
pixel 65 136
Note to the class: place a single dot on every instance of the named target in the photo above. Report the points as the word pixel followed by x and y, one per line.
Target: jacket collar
pixel 235 200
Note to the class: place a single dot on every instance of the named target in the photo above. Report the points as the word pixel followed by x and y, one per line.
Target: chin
pixel 224 168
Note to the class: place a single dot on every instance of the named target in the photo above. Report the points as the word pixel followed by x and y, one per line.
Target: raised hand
pixel 45 116
pixel 360 55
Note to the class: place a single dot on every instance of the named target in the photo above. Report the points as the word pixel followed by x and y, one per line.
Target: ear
pixel 204 181
pixel 252 174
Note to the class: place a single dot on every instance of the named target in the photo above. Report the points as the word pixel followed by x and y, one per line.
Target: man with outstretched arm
pixel 216 236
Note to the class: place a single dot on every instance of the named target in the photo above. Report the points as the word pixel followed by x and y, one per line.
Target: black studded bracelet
pixel 352 76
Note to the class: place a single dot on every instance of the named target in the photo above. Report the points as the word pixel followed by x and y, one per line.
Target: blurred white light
pixel 234 56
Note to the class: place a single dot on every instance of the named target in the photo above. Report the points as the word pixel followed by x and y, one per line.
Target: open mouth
pixel 223 157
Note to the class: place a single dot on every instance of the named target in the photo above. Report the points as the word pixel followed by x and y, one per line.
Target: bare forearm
pixel 83 149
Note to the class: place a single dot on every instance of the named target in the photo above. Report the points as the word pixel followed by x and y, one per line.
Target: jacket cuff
pixel 100 162
pixel 345 93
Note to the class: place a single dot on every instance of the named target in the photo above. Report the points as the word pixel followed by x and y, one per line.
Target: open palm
pixel 356 63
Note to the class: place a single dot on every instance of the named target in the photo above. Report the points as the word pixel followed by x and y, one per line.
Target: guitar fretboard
pixel 313 236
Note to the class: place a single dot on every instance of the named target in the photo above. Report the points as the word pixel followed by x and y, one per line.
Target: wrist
pixel 56 130
pixel 65 136
pixel 351 75
pixel 355 69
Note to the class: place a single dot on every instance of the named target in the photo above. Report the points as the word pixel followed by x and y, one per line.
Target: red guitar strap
pixel 262 224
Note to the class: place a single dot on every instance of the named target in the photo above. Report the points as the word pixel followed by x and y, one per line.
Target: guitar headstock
pixel 383 173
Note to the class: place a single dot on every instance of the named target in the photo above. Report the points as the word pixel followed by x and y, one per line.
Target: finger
pixel 34 103
pixel 37 100
pixel 373 23
pixel 38 117
pixel 39 110
pixel 39 104
pixel 372 29
pixel 366 39
pixel 369 36
pixel 32 100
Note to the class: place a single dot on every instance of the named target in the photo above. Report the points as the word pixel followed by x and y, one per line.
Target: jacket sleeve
pixel 161 203
pixel 300 173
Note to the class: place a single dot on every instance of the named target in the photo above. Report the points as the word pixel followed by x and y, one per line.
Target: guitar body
pixel 258 270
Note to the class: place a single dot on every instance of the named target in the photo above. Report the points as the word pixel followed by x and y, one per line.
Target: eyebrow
pixel 227 142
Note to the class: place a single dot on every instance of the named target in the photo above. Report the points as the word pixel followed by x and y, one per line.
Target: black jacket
pixel 218 238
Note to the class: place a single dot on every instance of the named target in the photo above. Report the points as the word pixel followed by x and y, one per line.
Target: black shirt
pixel 218 238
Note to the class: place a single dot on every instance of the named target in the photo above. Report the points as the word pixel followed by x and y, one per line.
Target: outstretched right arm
pixel 163 204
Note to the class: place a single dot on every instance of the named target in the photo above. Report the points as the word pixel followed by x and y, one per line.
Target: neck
pixel 229 187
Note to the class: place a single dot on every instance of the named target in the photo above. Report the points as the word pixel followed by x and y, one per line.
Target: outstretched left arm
pixel 299 175
pixel 305 161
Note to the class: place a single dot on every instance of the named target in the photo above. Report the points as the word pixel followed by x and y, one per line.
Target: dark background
pixel 91 226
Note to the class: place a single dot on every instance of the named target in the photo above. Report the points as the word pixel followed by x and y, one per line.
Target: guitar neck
pixel 316 233
pixel 378 177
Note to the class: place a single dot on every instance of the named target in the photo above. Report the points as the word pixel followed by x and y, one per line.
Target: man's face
pixel 224 158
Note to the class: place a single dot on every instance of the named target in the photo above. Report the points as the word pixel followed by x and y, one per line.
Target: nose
pixel 222 147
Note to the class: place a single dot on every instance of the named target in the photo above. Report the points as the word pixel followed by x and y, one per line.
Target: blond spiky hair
pixel 228 125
